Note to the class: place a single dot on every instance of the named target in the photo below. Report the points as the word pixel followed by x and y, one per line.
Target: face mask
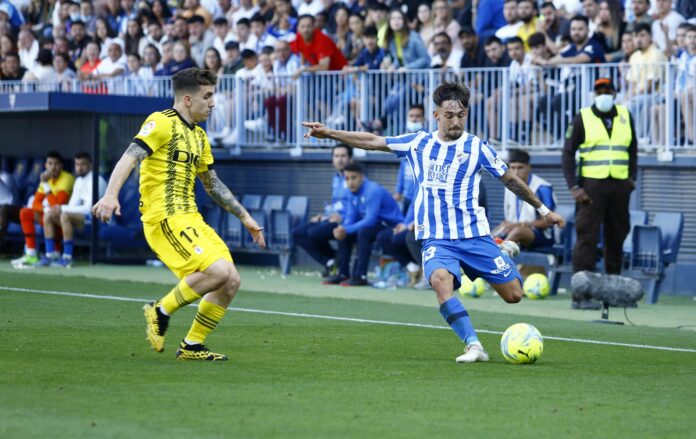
pixel 75 17
pixel 414 126
pixel 86 18
pixel 604 103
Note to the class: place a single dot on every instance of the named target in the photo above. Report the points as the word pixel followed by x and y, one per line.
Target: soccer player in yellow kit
pixel 172 150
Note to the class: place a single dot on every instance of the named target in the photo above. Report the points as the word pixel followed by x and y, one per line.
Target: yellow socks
pixel 180 296
pixel 207 318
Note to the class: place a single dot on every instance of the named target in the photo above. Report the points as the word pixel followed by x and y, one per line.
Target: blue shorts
pixel 541 239
pixel 478 257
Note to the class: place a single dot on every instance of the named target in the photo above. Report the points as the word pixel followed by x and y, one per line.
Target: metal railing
pixel 528 107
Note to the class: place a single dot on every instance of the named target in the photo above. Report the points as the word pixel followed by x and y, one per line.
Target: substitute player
pixel 448 218
pixel 173 150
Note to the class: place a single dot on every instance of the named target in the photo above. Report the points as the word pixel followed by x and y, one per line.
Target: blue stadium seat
pixel 298 206
pixel 638 218
pixel 260 217
pixel 126 230
pixel 671 225
pixel 252 201
pixel 233 231
pixel 280 237
pixel 11 186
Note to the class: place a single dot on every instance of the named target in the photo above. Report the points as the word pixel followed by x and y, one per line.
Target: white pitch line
pixel 344 319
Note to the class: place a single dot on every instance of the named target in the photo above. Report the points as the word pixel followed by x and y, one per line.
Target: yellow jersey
pixel 178 152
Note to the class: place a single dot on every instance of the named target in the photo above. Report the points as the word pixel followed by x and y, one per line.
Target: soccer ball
pixel 521 344
pixel 473 289
pixel 536 286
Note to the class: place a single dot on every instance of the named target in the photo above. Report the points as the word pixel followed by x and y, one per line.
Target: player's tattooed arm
pixel 136 151
pixel 221 194
pixel 520 188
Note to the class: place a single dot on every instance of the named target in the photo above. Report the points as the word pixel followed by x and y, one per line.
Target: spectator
pixel 405 49
pixel 445 57
pixel 685 8
pixel 627 46
pixel 7 45
pixel 222 35
pixel 160 11
pixel 244 36
pixel 88 17
pixel 522 223
pixel 424 25
pixel 495 53
pixel 330 9
pixel 526 12
pixel 213 61
pixel 134 39
pixel 245 11
pixel 180 60
pixel 43 69
pixel 513 22
pixel 640 10
pixel 54 190
pixel 590 10
pixel 283 26
pixel 611 27
pixel 154 37
pixel 113 65
pixel 133 64
pixel 553 25
pixel 310 7
pixel 443 22
pixel 371 56
pixel 258 31
pixel 233 57
pixel 582 50
pixel 405 184
pixel 341 34
pixel 315 49
pixel 61 67
pixel 474 54
pixel 489 18
pixel 200 39
pixel 77 212
pixel 78 39
pixel 377 16
pixel 150 62
pixel 104 36
pixel 602 182
pixel 686 85
pixel 664 28
pixel 91 60
pixel 314 236
pixel 265 9
pixel 370 209
pixel 28 48
pixel 523 90
pixel 568 8
pixel 643 77
pixel 320 21
pixel 285 65
pixel 192 8
pixel 12 69
pixel 179 31
pixel 354 42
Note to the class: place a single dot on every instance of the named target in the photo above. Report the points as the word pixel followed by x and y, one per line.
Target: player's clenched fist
pixel 104 209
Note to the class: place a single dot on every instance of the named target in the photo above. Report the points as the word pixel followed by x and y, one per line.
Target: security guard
pixel 600 180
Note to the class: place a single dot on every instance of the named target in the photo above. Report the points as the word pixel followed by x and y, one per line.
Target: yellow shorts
pixel 185 243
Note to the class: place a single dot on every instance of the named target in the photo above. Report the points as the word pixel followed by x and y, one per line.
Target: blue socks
pixel 456 316
pixel 67 248
pixel 50 246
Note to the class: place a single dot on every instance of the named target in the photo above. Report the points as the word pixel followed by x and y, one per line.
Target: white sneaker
pixel 472 353
pixel 510 248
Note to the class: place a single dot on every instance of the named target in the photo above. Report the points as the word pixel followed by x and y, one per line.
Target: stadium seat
pixel 11 186
pixel 271 202
pixel 233 231
pixel 260 217
pixel 280 237
pixel 638 217
pixel 298 206
pixel 126 230
pixel 252 201
pixel 671 225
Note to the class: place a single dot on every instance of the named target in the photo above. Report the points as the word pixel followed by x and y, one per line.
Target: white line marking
pixel 344 319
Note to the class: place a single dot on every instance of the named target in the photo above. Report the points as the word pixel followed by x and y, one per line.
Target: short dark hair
pixel 451 91
pixel 547 5
pixel 370 31
pixel 518 156
pixel 417 107
pixel 268 50
pixel 191 79
pixel 82 155
pixel 78 23
pixel 62 55
pixel 305 16
pixel 354 167
pixel 467 30
pixel 196 19
pixel 244 21
pixel 219 21
pixel 640 27
pixel 514 39
pixel 493 40
pixel 536 39
pixel 582 18
pixel 53 154
pixel 442 35
pixel 529 1
pixel 248 54
pixel 349 149
pixel 258 18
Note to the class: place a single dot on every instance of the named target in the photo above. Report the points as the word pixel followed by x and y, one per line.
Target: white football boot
pixel 472 353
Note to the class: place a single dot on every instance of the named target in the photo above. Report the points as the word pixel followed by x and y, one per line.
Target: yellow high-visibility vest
pixel 602 156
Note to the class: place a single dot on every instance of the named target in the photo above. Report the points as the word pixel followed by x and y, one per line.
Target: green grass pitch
pixel 79 366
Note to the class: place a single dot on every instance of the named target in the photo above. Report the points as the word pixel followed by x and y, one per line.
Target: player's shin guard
pixel 207 318
pixel 456 316
pixel 180 296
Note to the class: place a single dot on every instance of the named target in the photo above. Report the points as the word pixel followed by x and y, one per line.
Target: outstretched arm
pixel 367 141
pixel 520 188
pixel 108 204
pixel 222 195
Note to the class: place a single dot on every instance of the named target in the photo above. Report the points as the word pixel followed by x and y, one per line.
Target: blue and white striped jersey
pixel 447 175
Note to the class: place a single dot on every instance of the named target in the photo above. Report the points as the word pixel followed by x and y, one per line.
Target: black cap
pixel 196 19
pixel 604 84
pixel 248 53
pixel 231 45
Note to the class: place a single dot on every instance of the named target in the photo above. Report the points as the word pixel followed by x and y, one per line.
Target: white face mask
pixel 413 127
pixel 75 17
pixel 604 103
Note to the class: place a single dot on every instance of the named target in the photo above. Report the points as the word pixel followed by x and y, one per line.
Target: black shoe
pixel 355 282
pixel 585 305
pixel 329 270
pixel 335 279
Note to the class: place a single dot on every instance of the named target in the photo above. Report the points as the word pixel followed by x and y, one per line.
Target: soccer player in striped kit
pixel 448 219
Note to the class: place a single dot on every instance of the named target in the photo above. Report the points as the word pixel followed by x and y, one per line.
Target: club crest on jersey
pixel 462 157
pixel 147 128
